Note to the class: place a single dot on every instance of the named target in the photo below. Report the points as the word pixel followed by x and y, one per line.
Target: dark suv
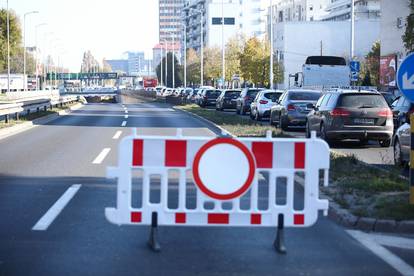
pixel 209 97
pixel 245 99
pixel 352 114
pixel 227 99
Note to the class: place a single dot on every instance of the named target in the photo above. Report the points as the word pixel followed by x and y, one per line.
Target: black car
pixel 349 114
pixel 209 97
pixel 245 99
pixel 227 99
pixel 401 108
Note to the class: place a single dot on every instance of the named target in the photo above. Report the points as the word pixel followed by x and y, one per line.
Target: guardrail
pixel 15 110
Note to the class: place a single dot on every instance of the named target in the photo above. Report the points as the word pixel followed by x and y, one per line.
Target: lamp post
pixel 202 46
pixel 161 67
pixel 8 47
pixel 166 62
pixel 352 53
pixel 185 54
pixel 271 45
pixel 24 47
pixel 37 58
pixel 223 48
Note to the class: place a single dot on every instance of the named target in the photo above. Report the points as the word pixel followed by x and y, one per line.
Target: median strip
pixel 47 219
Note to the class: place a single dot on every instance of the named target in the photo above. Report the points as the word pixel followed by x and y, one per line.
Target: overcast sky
pixel 107 28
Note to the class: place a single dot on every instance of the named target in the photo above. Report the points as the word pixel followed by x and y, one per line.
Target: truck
pixel 322 71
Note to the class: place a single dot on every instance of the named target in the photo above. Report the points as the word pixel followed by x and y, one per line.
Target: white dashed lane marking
pixel 101 156
pixel 117 135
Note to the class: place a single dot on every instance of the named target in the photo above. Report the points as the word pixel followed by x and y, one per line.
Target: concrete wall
pixel 295 41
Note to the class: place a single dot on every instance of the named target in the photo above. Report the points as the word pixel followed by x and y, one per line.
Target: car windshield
pixel 304 96
pixel 252 93
pixel 362 101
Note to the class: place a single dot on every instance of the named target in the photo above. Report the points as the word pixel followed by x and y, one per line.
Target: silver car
pixel 261 105
pixel 402 145
pixel 293 107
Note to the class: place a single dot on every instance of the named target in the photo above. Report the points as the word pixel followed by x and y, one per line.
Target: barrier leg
pixel 279 243
pixel 153 238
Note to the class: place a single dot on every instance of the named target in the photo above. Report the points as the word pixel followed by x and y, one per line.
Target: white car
pixel 261 105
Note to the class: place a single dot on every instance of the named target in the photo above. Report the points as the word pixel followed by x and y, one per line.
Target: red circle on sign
pixel 243 188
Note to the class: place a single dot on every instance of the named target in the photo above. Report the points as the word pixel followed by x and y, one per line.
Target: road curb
pixel 340 215
pixel 19 128
pixel 218 128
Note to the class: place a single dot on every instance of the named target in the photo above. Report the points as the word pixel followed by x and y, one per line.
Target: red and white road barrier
pixel 222 170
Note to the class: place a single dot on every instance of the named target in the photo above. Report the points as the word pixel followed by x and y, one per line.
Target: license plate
pixel 364 121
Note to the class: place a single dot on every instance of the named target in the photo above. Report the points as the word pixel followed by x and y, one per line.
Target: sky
pixel 106 28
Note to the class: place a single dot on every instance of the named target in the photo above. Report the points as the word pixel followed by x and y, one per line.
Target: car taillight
pixel 291 107
pixel 263 102
pixel 386 112
pixel 340 112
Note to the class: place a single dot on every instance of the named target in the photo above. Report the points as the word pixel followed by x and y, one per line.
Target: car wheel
pixel 242 110
pixel 283 125
pixel 271 120
pixel 251 115
pixel 323 134
pixel 385 143
pixel 237 111
pixel 398 160
pixel 308 132
pixel 258 117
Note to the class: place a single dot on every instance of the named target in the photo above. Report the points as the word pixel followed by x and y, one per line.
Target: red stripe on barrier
pixel 299 219
pixel 136 216
pixel 300 149
pixel 138 153
pixel 256 219
pixel 180 218
pixel 218 218
pixel 263 153
pixel 175 153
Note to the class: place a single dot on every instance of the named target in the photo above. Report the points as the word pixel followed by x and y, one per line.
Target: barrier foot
pixel 279 243
pixel 153 238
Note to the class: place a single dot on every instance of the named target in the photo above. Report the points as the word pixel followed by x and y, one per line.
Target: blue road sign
pixel 405 77
pixel 355 66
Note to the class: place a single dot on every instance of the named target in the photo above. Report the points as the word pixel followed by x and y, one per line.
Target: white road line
pixel 47 219
pixel 101 156
pixel 392 241
pixel 388 257
pixel 126 111
pixel 117 135
pixel 124 123
pixel 126 116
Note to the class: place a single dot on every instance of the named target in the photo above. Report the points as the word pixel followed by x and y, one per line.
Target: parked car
pixel 261 105
pixel 402 144
pixel 389 97
pixel 352 114
pixel 227 99
pixel 168 92
pixel 245 99
pixel 192 96
pixel 401 108
pixel 293 107
pixel 209 97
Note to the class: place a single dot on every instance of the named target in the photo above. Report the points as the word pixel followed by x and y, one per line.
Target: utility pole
pixel 166 63
pixel 223 48
pixel 321 48
pixel 352 53
pixel 202 49
pixel 24 48
pixel 173 59
pixel 185 55
pixel 37 58
pixel 8 47
pixel 161 68
pixel 271 46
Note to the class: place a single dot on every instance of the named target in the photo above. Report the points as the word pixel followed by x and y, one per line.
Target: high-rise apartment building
pixel 170 20
pixel 364 9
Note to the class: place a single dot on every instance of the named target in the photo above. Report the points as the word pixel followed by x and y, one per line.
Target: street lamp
pixel 172 34
pixel 201 44
pixel 352 53
pixel 37 58
pixel 8 48
pixel 271 45
pixel 185 54
pixel 24 47
pixel 166 62
pixel 223 48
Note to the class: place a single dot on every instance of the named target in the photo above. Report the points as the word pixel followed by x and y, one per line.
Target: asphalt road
pixel 38 166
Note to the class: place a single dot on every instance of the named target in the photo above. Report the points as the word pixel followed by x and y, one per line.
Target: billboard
pixel 388 71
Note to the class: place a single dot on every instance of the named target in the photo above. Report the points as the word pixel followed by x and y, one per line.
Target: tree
pixel 408 36
pixel 234 49
pixel 193 67
pixel 212 64
pixel 371 66
pixel 255 65
pixel 178 73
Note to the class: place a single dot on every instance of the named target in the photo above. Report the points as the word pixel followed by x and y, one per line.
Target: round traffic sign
pixel 405 77
pixel 224 169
